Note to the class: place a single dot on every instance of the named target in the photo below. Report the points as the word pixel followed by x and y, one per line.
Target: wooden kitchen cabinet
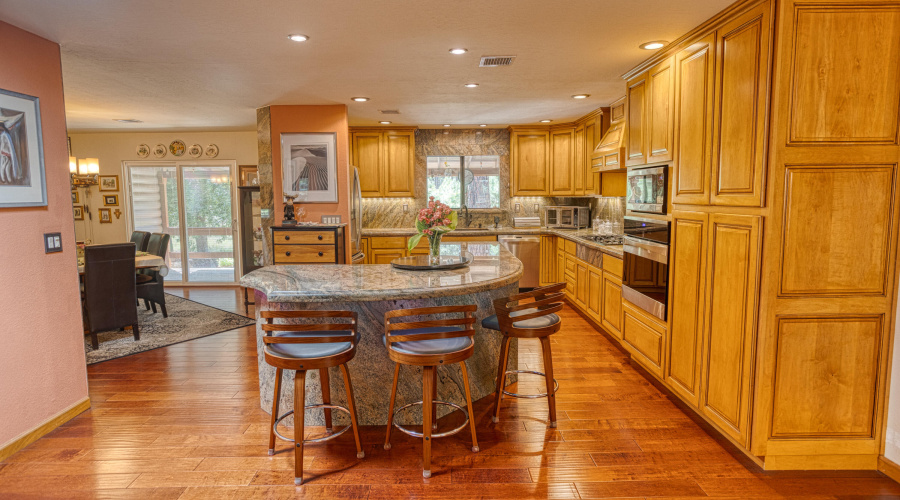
pixel 308 244
pixel 562 162
pixel 548 260
pixel 581 284
pixel 386 255
pixel 591 186
pixel 636 111
pixel 694 81
pixel 529 162
pixel 595 293
pixel 660 116
pixel 578 164
pixel 611 305
pixel 644 337
pixel 385 160
pixel 384 249
pixel 609 152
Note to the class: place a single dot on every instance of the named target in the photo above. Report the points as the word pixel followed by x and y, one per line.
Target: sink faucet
pixel 467 218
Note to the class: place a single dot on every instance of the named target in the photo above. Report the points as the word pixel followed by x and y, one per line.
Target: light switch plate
pixel 52 242
pixel 331 219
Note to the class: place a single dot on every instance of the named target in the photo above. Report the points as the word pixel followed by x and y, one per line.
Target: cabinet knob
pixel 287 254
pixel 320 237
pixel 287 238
pixel 321 254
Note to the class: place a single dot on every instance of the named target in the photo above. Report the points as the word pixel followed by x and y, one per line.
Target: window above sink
pixel 478 183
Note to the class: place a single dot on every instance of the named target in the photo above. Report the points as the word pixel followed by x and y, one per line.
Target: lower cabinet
pixel 548 260
pixel 643 337
pixel 594 292
pixel 581 286
pixel 611 304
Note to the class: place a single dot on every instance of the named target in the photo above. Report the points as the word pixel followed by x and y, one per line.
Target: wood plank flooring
pixel 184 422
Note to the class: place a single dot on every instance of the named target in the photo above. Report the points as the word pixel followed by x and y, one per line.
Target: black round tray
pixel 423 262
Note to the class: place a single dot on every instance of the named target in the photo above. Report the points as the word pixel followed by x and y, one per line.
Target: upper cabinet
pixel 650 115
pixel 562 161
pixel 385 160
pixel 529 162
pixel 609 151
pixel 636 108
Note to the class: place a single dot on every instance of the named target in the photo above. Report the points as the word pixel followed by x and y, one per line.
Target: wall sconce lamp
pixel 84 171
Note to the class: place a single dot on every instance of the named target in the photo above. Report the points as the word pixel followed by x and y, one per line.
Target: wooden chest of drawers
pixel 308 244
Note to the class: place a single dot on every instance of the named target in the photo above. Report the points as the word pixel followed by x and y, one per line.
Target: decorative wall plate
pixel 212 150
pixel 177 148
pixel 195 150
pixel 143 151
pixel 160 151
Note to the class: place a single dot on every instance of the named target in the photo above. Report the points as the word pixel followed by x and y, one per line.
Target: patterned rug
pixel 187 320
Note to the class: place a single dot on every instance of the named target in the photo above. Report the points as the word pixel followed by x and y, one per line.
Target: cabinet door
pixel 578 164
pixel 611 309
pixel 595 293
pixel 635 146
pixel 548 260
pixel 643 337
pixel 399 164
pixel 364 248
pixel 660 112
pixel 731 321
pixel 367 157
pixel 562 158
pixel 642 273
pixel 739 129
pixel 386 255
pixel 581 283
pixel 688 300
pixel 590 142
pixel 560 264
pixel 694 79
pixel 530 162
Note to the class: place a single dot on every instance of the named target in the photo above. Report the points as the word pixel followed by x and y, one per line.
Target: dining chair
pixel 150 283
pixel 430 337
pixel 109 291
pixel 328 341
pixel 140 240
pixel 526 316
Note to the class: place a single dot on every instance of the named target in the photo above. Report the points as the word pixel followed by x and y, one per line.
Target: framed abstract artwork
pixel 309 167
pixel 22 177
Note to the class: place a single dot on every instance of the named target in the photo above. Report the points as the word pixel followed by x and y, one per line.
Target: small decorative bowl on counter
pixel 427 263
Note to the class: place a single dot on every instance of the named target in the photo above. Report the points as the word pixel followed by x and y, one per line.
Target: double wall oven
pixel 645 281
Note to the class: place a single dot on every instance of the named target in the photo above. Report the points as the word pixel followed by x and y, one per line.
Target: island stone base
pixel 372 371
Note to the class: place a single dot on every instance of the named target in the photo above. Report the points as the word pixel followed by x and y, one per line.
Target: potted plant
pixel 433 222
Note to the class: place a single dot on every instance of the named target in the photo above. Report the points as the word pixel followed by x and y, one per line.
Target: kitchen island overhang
pixel 370 291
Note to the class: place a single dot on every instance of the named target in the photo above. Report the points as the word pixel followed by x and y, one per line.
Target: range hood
pixel 610 151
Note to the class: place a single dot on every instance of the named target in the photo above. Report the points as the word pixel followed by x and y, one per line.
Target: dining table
pixel 142 260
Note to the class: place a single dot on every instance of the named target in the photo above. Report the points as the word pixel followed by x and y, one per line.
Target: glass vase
pixel 434 248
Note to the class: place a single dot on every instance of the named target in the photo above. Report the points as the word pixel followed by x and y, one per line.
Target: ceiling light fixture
pixel 458 51
pixel 360 99
pixel 298 38
pixel 471 85
pixel 546 121
pixel 385 123
pixel 127 120
pixel 446 124
pixel 656 44
pixel 581 96
pixel 483 125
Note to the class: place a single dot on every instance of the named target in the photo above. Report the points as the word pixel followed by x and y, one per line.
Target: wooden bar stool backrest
pixel 344 326
pixel 394 327
pixel 545 300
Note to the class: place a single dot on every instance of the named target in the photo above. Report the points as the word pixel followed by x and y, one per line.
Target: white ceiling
pixel 208 64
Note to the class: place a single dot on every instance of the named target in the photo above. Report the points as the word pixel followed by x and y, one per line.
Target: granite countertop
pixel 493 267
pixel 576 235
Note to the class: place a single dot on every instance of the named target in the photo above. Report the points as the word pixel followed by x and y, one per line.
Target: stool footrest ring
pixel 438 435
pixel 531 396
pixel 313 407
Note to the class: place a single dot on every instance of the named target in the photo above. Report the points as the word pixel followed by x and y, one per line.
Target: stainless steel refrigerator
pixel 357 255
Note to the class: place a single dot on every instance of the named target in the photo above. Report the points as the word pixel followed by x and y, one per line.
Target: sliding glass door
pixel 193 202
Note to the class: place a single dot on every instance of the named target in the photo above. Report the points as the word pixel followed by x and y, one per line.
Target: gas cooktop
pixel 609 239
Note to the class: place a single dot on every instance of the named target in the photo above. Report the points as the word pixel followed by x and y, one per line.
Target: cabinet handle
pixel 320 237
pixel 287 238
pixel 321 254
pixel 287 254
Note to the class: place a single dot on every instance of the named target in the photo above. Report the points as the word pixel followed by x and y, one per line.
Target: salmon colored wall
pixel 314 119
pixel 42 363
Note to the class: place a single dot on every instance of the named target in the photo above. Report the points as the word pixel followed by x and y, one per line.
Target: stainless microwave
pixel 567 217
pixel 646 190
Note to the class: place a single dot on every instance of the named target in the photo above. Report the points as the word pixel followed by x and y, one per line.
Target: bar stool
pixel 526 319
pixel 310 347
pixel 429 343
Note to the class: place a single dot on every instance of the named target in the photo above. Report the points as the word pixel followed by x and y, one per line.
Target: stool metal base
pixel 438 435
pixel 531 396
pixel 317 440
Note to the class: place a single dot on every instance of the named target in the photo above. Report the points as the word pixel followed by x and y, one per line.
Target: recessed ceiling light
pixel 458 51
pixel 385 123
pixel 546 121
pixel 127 120
pixel 360 99
pixel 471 85
pixel 656 44
pixel 581 96
pixel 483 125
pixel 298 38
pixel 446 124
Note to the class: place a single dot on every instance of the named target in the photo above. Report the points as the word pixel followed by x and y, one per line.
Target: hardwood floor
pixel 184 422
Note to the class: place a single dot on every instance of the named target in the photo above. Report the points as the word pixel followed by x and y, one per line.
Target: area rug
pixel 187 320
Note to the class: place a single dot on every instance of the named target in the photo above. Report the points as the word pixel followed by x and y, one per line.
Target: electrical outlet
pixel 536 207
pixel 405 208
pixel 52 242
pixel 518 206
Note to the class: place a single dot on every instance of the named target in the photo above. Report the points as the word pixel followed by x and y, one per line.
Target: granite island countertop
pixel 492 267
pixel 576 235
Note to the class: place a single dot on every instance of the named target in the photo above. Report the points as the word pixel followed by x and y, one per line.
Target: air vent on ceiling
pixel 494 61
pixel 390 111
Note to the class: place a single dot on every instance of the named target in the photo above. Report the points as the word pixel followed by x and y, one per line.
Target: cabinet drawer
pixel 569 247
pixel 611 160
pixel 571 265
pixel 303 237
pixel 643 338
pixel 613 266
pixel 304 254
pixel 390 242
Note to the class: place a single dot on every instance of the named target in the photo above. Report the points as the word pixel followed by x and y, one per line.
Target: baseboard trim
pixel 889 468
pixel 44 428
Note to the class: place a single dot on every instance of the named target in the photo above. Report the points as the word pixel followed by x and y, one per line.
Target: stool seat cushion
pixel 544 321
pixel 308 351
pixel 143 278
pixel 434 346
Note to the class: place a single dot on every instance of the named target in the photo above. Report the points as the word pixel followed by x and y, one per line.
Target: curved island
pixel 371 290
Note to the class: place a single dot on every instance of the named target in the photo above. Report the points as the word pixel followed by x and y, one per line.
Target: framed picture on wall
pixel 79 212
pixel 105 216
pixel 75 197
pixel 22 178
pixel 109 182
pixel 309 167
pixel 249 175
pixel 111 200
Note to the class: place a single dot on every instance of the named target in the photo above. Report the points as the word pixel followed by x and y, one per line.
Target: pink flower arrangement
pixel 434 220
